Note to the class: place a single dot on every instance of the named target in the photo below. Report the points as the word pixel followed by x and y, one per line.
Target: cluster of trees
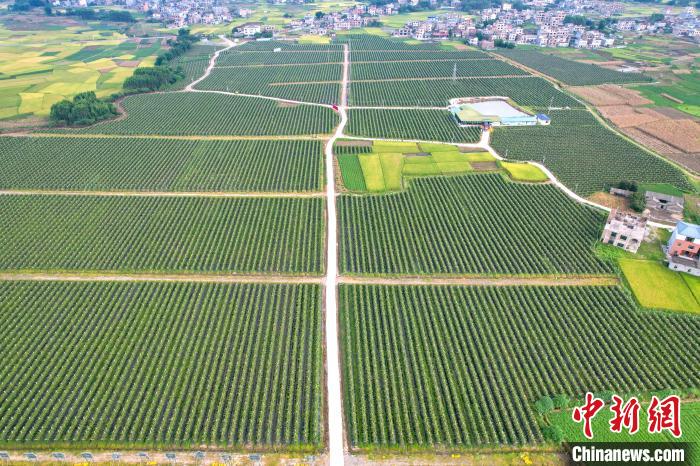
pixel 152 78
pixel 179 46
pixel 580 20
pixel 91 14
pixel 504 44
pixel 637 200
pixel 84 109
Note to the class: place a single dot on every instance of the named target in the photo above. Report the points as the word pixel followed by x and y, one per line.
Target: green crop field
pixel 427 125
pixel 167 234
pixel 187 113
pixel 583 154
pixel 307 83
pixel 415 55
pixel 157 364
pixel 65 163
pixel 236 57
pixel 443 69
pixel 525 91
pixel 377 42
pixel 284 46
pixel 473 224
pixel 428 366
pixel 569 71
pixel 351 171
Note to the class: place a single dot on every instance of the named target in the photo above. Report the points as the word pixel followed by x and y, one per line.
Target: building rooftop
pixel 688 229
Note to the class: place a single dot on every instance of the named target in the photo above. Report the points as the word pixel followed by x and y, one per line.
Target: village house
pixel 683 249
pixel 664 207
pixel 624 230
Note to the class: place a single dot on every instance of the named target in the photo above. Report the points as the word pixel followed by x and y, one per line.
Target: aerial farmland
pixel 297 253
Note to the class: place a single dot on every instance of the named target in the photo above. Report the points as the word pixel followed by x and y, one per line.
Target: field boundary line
pixel 603 280
pixel 310 137
pixel 441 78
pixel 266 65
pixel 212 194
pixel 89 276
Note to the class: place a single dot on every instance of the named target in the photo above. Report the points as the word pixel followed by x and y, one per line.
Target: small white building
pixel 624 230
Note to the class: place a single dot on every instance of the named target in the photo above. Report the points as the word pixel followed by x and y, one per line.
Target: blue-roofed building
pixel 683 248
pixel 543 119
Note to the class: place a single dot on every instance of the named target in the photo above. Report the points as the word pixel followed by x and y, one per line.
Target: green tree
pixel 544 405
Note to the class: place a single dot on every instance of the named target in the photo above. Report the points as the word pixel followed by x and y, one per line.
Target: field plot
pixel 375 42
pixel 112 164
pixel 286 46
pixel 154 364
pixel 462 366
pixel 569 71
pixel 473 224
pixel 164 234
pixel 427 125
pixel 236 57
pixel 583 154
pixel 189 113
pixel 402 70
pixel 525 91
pixel 307 83
pixel 43 61
pixel 431 54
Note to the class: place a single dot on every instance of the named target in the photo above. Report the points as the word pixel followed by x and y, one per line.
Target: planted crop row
pixel 462 366
pixel 160 364
pixel 442 69
pixel 235 57
pixel 189 113
pixel 583 154
pixel 527 91
pixel 351 171
pixel 64 163
pixel 374 42
pixel 284 46
pixel 569 71
pixel 168 234
pixel 474 224
pixel 411 55
pixel 308 83
pixel 427 125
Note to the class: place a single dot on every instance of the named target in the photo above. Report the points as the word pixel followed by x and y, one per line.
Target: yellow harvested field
pixel 524 172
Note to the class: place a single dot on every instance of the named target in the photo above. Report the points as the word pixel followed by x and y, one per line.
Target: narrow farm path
pixel 336 437
pixel 222 194
pixel 229 45
pixel 601 280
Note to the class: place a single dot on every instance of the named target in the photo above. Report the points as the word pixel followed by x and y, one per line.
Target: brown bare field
pixel 610 200
pixel 682 134
pixel 666 131
pixel 610 94
pixel 128 63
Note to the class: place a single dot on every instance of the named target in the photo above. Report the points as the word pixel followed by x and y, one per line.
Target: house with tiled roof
pixel 683 248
